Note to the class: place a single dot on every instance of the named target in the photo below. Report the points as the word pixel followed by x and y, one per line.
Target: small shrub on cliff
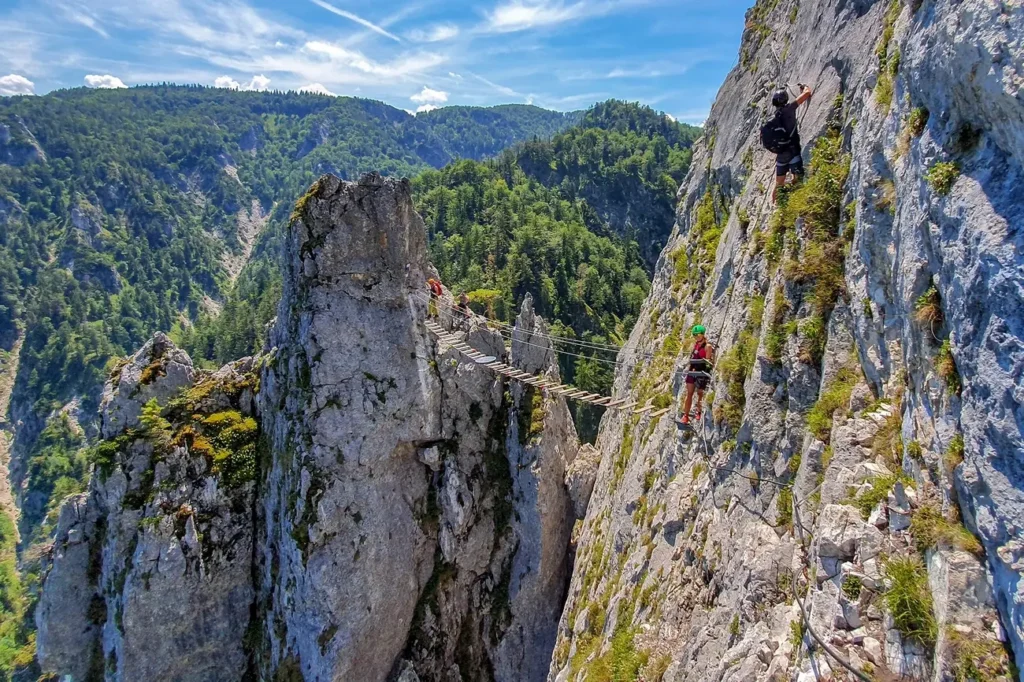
pixel 888 440
pixel 954 456
pixel 932 530
pixel 878 492
pixel 977 658
pixel 835 397
pixel 909 599
pixel 942 176
pixel 917 121
pixel 851 587
pixel 886 201
pixel 945 365
pixel 888 60
pixel 928 307
pixel 153 424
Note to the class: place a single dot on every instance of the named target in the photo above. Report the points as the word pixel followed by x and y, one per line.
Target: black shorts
pixel 789 162
pixel 701 382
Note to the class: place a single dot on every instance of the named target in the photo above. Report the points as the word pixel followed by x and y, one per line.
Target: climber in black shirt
pixel 780 135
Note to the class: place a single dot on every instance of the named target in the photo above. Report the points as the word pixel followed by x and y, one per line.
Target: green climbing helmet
pixel 698 329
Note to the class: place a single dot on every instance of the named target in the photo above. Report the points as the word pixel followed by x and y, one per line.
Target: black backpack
pixel 774 136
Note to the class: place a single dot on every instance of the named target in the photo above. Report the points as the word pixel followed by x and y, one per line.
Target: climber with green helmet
pixel 698 375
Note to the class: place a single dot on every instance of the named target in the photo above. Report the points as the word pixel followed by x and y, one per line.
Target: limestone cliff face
pixel 411 527
pixel 151 570
pixel 357 503
pixel 868 390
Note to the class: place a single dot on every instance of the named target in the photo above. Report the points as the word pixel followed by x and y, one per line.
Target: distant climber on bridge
pixel 435 295
pixel 462 308
pixel 698 374
pixel 781 136
pixel 463 304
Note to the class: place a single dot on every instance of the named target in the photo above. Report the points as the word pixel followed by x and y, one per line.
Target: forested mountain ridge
pixel 127 212
pixel 124 212
pixel 130 202
pixel 577 222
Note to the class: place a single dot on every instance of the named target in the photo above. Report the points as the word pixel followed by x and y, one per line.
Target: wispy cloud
pixel 356 18
pixel 85 18
pixel 435 34
pixel 105 81
pixel 20 47
pixel 13 84
pixel 693 116
pixel 508 92
pixel 519 15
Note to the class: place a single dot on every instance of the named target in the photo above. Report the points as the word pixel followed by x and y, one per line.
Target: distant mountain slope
pixel 577 222
pixel 121 209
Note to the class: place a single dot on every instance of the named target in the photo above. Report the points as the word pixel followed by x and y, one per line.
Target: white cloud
pixel 435 34
pixel 423 108
pixel 335 63
pixel 13 84
pixel 518 15
pixel 429 96
pixel 106 81
pixel 227 82
pixel 634 73
pixel 316 89
pixel 358 19
pixel 670 117
pixel 454 75
pixel 258 83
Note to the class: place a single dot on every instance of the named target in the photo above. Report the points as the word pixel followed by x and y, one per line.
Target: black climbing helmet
pixel 780 98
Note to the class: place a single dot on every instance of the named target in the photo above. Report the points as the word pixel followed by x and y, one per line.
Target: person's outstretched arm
pixel 805 95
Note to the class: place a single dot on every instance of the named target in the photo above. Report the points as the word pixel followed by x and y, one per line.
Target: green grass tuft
pixel 977 658
pixel 878 492
pixel 942 176
pixel 945 365
pixel 917 121
pixel 932 530
pixel 833 398
pixel 954 456
pixel 909 599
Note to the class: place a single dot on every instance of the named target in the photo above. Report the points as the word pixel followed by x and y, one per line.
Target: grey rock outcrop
pixel 403 490
pixel 158 370
pixel 359 503
pixel 837 419
pixel 150 575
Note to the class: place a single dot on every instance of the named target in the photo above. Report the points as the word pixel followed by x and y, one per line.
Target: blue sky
pixel 413 54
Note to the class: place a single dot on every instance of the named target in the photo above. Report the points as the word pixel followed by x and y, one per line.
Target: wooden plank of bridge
pixel 646 408
pixel 655 415
pixel 519 375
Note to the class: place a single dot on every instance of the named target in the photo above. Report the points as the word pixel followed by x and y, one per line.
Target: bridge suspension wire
pixel 505 329
pixel 564 390
pixel 553 337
